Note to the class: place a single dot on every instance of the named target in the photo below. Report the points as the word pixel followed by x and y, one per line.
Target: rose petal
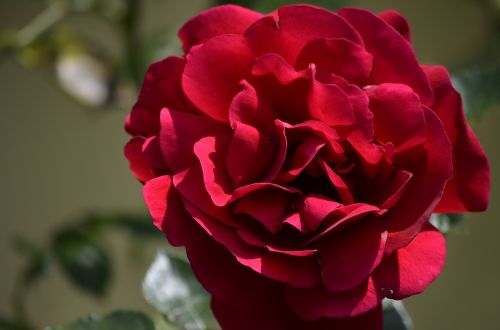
pixel 267 206
pixel 469 188
pixel 329 104
pixel 430 174
pixel 398 22
pixel 213 71
pixel 249 155
pixel 211 152
pixel 350 256
pixel 296 221
pixel 393 58
pixel 395 189
pixel 138 164
pixel 315 208
pixel 398 116
pixel 339 56
pixel 272 313
pixel 153 155
pixel 247 107
pixel 167 210
pixel 161 88
pixel 224 285
pixel 189 183
pixel 179 132
pixel 227 19
pixel 283 88
pixel 300 272
pixel 340 185
pixel 293 27
pixel 344 216
pixel 411 269
pixel 321 303
pixel 301 158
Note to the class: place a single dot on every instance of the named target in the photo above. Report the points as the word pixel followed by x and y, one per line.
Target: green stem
pixel 41 23
pixel 134 59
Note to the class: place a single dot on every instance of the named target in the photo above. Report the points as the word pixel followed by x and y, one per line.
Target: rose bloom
pixel 298 156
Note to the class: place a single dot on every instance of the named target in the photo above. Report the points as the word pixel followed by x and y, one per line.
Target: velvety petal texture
pixel 298 156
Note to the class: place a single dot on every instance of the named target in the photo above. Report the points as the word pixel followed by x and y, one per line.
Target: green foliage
pixel 270 5
pixel 119 320
pixel 171 287
pixel 448 222
pixel 83 260
pixel 37 261
pixel 480 88
pixel 395 316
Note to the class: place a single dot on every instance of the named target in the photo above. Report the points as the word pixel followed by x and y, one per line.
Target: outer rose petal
pixel 161 88
pixel 411 269
pixel 228 19
pixel 138 164
pixel 273 314
pixel 261 303
pixel 413 210
pixel 321 303
pixel 292 27
pixel 393 58
pixel 398 22
pixel 213 71
pixel 179 132
pixel 153 155
pixel 167 210
pixel 469 188
pixel 349 257
pixel 339 56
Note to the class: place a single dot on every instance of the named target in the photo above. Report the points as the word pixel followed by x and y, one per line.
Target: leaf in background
pixel 447 222
pixel 38 261
pixel 270 5
pixel 479 88
pixel 120 320
pixel 135 224
pixel 171 287
pixel 396 316
pixel 83 260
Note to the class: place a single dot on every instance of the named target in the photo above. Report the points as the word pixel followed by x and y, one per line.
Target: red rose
pixel 298 156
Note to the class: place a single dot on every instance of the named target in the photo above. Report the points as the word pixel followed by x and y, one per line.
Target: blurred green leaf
pixel 447 222
pixel 38 261
pixel 396 316
pixel 171 287
pixel 479 88
pixel 115 321
pixel 83 260
pixel 270 5
pixel 134 223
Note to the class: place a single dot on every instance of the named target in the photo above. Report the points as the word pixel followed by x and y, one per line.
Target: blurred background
pixel 69 73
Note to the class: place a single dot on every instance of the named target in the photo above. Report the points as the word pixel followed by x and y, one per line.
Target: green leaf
pixel 83 260
pixel 447 222
pixel 120 320
pixel 479 88
pixel 396 316
pixel 171 287
pixel 38 262
pixel 135 224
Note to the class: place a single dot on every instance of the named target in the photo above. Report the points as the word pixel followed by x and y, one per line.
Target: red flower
pixel 298 156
